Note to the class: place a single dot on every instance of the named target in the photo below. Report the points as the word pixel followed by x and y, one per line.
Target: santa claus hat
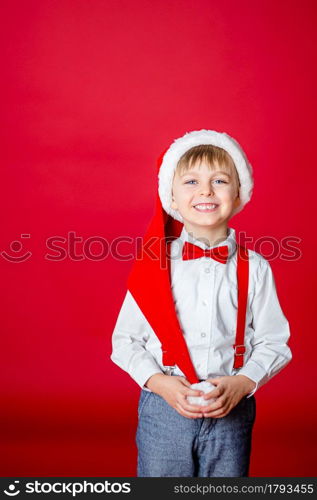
pixel 149 280
pixel 197 138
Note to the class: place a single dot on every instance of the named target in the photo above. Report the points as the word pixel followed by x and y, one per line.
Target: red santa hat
pixel 149 279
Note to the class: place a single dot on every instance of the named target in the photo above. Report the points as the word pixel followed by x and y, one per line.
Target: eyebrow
pixel 189 172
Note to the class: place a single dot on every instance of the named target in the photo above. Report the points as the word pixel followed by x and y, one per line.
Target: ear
pixel 174 204
pixel 237 201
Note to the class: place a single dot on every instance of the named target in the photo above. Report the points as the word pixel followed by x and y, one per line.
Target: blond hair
pixel 216 158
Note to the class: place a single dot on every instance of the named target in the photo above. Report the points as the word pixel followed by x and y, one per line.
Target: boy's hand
pixel 230 390
pixel 174 389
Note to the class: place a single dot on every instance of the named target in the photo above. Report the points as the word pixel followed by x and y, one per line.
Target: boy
pixel 199 307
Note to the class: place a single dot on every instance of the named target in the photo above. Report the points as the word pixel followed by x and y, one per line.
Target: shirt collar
pixel 230 241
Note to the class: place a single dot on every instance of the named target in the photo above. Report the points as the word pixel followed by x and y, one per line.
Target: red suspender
pixel 243 283
pixel 168 359
pixel 242 290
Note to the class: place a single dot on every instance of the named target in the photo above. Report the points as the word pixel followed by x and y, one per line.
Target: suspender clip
pixel 239 350
pixel 169 370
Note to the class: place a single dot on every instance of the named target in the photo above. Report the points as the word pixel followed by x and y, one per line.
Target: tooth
pixel 206 207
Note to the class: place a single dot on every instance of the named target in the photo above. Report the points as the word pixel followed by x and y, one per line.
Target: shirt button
pixel 205 302
pixel 207 270
pixel 203 334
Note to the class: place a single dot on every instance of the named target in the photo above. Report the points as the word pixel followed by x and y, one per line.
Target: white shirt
pixel 205 298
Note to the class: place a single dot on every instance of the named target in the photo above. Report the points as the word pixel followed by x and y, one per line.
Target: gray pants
pixel 170 445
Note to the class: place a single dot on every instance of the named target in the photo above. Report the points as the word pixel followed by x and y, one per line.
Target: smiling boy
pixel 180 325
pixel 206 194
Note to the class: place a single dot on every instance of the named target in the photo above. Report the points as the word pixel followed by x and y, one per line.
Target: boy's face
pixel 214 191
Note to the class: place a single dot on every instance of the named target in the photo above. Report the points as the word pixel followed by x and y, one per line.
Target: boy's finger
pixel 191 408
pixel 184 381
pixel 194 392
pixel 212 395
pixel 215 414
pixel 212 407
pixel 215 393
pixel 188 414
pixel 214 381
pixel 215 409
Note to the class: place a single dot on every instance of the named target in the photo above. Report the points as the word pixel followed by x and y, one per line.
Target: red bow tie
pixel 190 251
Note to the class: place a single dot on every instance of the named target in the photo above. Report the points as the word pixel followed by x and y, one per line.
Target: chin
pixel 200 223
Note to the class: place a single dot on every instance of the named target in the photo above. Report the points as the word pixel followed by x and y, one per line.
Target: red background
pixel 92 92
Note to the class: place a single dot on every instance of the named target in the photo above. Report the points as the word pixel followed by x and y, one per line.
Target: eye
pixel 220 180
pixel 216 180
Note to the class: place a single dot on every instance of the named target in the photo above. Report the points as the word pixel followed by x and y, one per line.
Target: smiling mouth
pixel 206 207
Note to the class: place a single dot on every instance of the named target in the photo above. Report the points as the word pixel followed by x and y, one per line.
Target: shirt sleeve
pixel 129 340
pixel 270 351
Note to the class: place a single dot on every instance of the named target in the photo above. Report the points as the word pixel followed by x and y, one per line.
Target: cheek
pixel 228 194
pixel 182 196
pixel 189 197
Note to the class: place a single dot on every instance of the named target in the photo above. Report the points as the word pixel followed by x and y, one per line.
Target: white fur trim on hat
pixel 196 138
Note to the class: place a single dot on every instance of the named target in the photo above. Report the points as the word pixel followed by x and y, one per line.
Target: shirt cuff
pixel 144 371
pixel 254 372
pixel 252 392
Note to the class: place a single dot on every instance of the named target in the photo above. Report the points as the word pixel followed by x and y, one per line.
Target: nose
pixel 206 189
